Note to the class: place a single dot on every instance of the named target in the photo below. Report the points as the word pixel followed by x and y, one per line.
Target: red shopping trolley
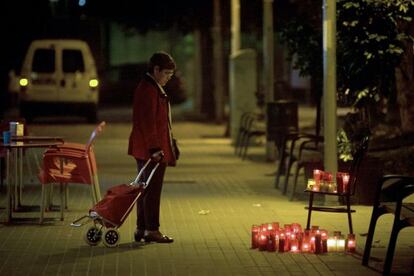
pixel 110 212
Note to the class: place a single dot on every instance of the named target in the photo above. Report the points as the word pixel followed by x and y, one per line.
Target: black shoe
pixel 156 236
pixel 139 235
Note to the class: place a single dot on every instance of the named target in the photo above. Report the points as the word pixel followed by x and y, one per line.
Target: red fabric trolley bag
pixel 110 213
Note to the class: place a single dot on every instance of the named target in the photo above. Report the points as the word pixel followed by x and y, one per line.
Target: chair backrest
pixel 359 154
pixel 94 134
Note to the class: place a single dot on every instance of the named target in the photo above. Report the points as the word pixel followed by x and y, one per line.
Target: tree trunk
pixel 404 76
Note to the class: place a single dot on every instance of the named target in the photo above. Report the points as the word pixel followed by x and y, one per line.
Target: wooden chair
pixel 358 155
pixel 389 199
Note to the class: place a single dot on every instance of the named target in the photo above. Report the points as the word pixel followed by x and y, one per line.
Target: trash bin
pixel 282 118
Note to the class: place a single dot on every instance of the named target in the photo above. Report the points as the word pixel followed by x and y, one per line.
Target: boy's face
pixel 162 76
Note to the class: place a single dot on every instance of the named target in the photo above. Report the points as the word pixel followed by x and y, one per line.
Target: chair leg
pixel 237 143
pixel 348 208
pixel 376 213
pixel 282 157
pixel 309 211
pixel 62 199
pixel 246 147
pixel 42 203
pixel 295 180
pixel 241 144
pixel 396 227
pixel 97 188
pixel 66 195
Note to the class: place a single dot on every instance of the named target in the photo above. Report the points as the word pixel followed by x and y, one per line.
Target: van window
pixel 73 61
pixel 44 61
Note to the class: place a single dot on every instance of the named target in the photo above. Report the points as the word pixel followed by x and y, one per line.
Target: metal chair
pixel 358 155
pixel 390 194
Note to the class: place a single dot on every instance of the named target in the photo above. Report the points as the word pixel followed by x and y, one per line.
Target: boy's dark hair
pixel 163 60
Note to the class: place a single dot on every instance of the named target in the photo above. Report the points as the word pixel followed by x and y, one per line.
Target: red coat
pixel 150 123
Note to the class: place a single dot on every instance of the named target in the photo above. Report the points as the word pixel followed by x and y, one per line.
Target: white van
pixel 59 77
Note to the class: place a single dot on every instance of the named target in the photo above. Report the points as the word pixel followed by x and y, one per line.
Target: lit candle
pixel 339 182
pixel 318 243
pixel 311 184
pixel 306 241
pixel 331 242
pixel 351 243
pixel 282 242
pixel 317 175
pixel 271 242
pixel 327 176
pixel 340 243
pixel 275 226
pixel 296 228
pixel 345 181
pixel 331 187
pixel 255 233
pixel 294 246
pixel 324 236
pixel 263 241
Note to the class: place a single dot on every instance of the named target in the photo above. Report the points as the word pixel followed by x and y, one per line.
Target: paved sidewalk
pixel 209 203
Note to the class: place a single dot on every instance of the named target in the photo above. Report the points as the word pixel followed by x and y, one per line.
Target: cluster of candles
pixel 323 182
pixel 291 238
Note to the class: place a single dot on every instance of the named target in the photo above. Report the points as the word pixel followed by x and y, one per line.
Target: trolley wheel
pixel 93 236
pixel 111 237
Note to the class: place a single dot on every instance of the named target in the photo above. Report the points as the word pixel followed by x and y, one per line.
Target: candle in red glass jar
pixel 339 183
pixel 317 176
pixel 294 246
pixel 327 176
pixel 306 247
pixel 271 242
pixel 255 234
pixel 296 228
pixel 263 240
pixel 318 243
pixel 345 181
pixel 351 243
pixel 275 226
pixel 281 242
pixel 324 237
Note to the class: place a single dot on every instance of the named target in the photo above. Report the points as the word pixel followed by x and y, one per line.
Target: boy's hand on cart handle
pixel 157 156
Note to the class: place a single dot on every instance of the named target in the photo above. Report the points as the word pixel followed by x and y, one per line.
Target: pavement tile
pixel 209 203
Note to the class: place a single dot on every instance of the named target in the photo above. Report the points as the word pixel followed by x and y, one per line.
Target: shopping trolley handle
pixel 145 183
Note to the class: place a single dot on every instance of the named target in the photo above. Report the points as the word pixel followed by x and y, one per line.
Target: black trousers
pixel 148 204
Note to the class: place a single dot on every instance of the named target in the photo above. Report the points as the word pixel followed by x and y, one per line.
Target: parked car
pixel 119 82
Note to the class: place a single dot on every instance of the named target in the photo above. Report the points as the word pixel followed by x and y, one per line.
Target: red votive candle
pixel 345 182
pixel 339 182
pixel 282 243
pixel 318 243
pixel 305 245
pixel 324 237
pixel 351 243
pixel 317 176
pixel 271 242
pixel 255 233
pixel 263 240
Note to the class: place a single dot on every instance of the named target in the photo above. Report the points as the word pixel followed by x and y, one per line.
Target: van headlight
pixel 93 83
pixel 23 82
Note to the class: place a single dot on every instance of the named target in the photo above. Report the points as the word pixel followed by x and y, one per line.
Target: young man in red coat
pixel 151 137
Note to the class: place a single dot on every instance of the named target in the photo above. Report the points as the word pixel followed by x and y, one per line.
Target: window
pixel 44 61
pixel 73 61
